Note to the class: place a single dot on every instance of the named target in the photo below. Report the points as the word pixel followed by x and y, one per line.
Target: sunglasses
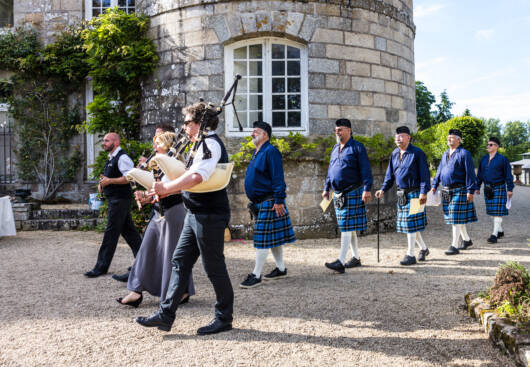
pixel 491 145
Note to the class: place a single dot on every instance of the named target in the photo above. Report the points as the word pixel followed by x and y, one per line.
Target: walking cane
pixel 378 229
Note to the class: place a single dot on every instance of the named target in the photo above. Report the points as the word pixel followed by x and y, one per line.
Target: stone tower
pixel 304 63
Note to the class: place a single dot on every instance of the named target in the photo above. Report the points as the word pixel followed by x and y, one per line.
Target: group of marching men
pixel 193 224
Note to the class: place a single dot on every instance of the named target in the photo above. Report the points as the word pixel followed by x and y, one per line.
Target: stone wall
pixel 305 181
pixel 361 56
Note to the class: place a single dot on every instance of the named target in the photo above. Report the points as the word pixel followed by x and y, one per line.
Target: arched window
pixel 273 87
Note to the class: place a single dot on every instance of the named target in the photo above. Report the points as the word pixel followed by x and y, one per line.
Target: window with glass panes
pixel 272 87
pixel 99 6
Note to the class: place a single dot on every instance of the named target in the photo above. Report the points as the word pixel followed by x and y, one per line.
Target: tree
pixel 516 139
pixel 443 109
pixel 467 113
pixel 424 101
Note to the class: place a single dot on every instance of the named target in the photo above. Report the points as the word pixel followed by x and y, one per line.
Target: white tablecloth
pixel 7 221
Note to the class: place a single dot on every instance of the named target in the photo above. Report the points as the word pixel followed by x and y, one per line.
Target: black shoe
pixel 465 244
pixel 452 251
pixel 134 304
pixel 408 260
pixel 251 281
pixel 500 234
pixel 336 265
pixel 354 262
pixel 215 326
pixel 155 320
pixel 94 273
pixel 492 239
pixel 276 274
pixel 185 300
pixel 423 254
pixel 121 278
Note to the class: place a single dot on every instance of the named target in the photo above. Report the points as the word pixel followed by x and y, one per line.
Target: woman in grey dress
pixel 152 267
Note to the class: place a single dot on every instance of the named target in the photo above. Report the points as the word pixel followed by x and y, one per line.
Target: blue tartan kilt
pixel 459 211
pixel 352 217
pixel 271 230
pixel 497 206
pixel 410 223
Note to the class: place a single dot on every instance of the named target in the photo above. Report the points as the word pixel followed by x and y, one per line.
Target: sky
pixel 479 51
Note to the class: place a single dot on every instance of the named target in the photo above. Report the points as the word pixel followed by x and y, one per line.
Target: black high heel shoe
pixel 185 300
pixel 134 304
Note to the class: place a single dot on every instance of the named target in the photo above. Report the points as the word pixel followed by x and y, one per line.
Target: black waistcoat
pixel 112 171
pixel 215 202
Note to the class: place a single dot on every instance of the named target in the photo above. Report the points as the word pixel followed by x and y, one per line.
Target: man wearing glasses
pixel 202 235
pixel 495 172
pixel 350 176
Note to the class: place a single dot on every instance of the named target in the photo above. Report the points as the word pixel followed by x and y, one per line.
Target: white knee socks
pixel 463 230
pixel 354 246
pixel 497 225
pixel 345 243
pixel 277 252
pixel 411 239
pixel 419 240
pixel 456 234
pixel 261 256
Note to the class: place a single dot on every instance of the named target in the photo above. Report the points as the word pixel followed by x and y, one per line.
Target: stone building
pixel 304 64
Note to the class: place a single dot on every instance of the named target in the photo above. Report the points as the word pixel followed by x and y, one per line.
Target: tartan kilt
pixel 271 230
pixel 459 211
pixel 352 217
pixel 497 206
pixel 410 223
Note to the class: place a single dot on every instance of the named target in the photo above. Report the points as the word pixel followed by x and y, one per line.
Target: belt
pixel 409 190
pixel 496 184
pixel 453 186
pixel 262 199
pixel 350 188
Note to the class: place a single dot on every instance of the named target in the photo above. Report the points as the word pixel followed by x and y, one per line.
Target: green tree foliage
pixel 38 92
pixel 467 112
pixel 443 109
pixel 424 101
pixel 120 56
pixel 516 139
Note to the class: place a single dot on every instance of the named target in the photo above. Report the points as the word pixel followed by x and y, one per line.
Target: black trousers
pixel 119 222
pixel 202 234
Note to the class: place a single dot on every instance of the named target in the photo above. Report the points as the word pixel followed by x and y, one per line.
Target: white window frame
pixel 267 42
pixel 88 7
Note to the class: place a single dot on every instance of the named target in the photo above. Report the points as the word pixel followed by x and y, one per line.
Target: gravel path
pixel 381 314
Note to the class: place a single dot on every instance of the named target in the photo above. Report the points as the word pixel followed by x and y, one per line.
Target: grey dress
pixel 152 267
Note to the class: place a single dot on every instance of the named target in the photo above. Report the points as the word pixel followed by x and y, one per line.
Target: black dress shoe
pixel 500 234
pixel 185 300
pixel 336 265
pixel 352 263
pixel 408 260
pixel 423 254
pixel 94 273
pixel 121 278
pixel 134 304
pixel 465 244
pixel 492 239
pixel 155 320
pixel 214 327
pixel 452 251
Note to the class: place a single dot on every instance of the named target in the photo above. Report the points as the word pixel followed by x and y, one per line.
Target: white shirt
pixel 125 163
pixel 206 167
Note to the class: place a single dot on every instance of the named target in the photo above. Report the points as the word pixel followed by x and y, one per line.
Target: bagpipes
pixel 173 165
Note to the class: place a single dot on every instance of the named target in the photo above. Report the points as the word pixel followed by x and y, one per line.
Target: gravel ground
pixel 381 314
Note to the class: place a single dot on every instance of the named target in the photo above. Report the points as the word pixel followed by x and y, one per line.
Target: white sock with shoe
pixel 411 239
pixel 456 235
pixel 261 256
pixel 463 230
pixel 345 244
pixel 497 226
pixel 419 240
pixel 277 252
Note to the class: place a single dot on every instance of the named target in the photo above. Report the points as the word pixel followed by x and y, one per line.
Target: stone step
pixel 63 214
pixel 56 224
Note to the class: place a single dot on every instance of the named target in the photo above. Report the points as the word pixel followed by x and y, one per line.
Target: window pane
pixel 278 51
pixel 278 68
pixel 293 52
pixel 255 102
pixel 96 3
pixel 278 85
pixel 256 85
pixel 240 67
pixel 293 67
pixel 242 86
pixel 240 53
pixel 95 12
pixel 293 102
pixel 278 102
pixel 242 118
pixel 255 52
pixel 130 11
pixel 278 119
pixel 131 3
pixel 255 116
pixel 293 85
pixel 254 67
pixel 122 2
pixel 294 119
pixel 241 103
pixel 106 3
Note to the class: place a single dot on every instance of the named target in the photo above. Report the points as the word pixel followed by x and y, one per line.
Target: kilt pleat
pixel 352 217
pixel 410 223
pixel 271 230
pixel 497 206
pixel 458 210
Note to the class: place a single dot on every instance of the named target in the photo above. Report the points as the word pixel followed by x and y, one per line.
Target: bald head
pixel 110 142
